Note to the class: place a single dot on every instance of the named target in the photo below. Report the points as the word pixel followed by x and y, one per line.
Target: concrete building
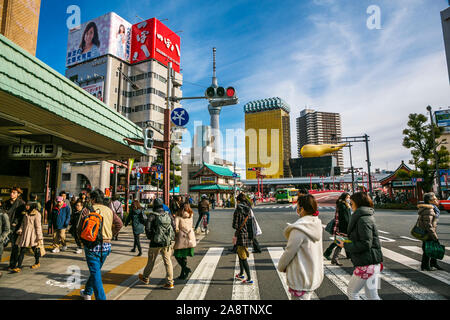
pixel 268 138
pixel 19 22
pixel 445 17
pixel 315 127
pixel 135 90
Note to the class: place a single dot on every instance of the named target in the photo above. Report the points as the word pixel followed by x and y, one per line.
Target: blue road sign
pixel 159 168
pixel 235 175
pixel 414 180
pixel 179 117
pixel 138 174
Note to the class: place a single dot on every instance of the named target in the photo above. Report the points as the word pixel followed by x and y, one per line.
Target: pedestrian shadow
pixel 19 294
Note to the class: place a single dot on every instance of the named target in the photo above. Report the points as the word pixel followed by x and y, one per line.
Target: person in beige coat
pixel 30 235
pixel 184 238
pixel 302 260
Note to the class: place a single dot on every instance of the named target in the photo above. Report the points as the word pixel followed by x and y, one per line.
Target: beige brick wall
pixel 22 22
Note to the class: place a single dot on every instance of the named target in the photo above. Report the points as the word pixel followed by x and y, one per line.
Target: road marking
pixel 407 238
pixel 414 264
pixel 383 232
pixel 339 277
pixel 409 287
pixel 384 239
pixel 275 254
pixel 196 287
pixel 243 291
pixel 419 250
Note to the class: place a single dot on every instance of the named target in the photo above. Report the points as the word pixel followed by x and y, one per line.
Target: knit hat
pixel 157 204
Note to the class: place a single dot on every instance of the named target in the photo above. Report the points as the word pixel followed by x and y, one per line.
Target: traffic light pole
pixel 167 131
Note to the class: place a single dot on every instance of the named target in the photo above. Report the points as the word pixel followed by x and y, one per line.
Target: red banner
pixel 151 39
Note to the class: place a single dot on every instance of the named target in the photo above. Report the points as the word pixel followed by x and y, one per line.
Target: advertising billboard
pixel 108 34
pixel 443 119
pixel 96 89
pixel 153 40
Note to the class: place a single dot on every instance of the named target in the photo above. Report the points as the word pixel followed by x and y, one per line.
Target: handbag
pixel 256 228
pixel 434 249
pixel 419 233
pixel 240 228
pixel 330 226
pixel 42 249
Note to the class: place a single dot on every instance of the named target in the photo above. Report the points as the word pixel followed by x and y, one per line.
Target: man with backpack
pixel 203 208
pixel 160 230
pixel 97 245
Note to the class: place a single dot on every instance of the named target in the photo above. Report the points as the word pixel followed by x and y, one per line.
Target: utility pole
pixel 351 168
pixel 167 131
pixel 234 171
pixel 436 158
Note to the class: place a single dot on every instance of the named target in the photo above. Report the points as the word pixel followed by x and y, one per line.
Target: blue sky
pixel 315 53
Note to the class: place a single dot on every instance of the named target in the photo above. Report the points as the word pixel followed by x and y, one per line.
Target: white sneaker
pixel 64 248
pixel 85 296
pixel 56 250
pixel 78 251
pixel 198 231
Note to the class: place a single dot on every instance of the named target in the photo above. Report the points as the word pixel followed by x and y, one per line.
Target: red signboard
pixel 153 40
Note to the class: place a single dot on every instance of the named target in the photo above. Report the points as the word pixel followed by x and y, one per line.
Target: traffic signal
pixel 221 97
pixel 148 139
pixel 111 170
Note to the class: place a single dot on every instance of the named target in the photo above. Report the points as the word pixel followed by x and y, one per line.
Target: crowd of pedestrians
pixel 95 221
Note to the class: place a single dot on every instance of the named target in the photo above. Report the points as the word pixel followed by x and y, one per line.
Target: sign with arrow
pixel 179 117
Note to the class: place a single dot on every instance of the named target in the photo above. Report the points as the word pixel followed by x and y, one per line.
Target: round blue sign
pixel 179 117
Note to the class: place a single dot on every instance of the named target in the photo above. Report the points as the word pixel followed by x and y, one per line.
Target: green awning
pixel 32 92
pixel 219 170
pixel 213 187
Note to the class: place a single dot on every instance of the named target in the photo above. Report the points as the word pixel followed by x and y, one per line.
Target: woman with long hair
pixel 342 218
pixel 30 235
pixel 121 39
pixel 135 217
pixel 244 234
pixel 184 238
pixel 364 247
pixel 90 41
pixel 302 260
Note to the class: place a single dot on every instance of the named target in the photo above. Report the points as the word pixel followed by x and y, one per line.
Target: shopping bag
pixel 330 226
pixel 434 249
pixel 418 233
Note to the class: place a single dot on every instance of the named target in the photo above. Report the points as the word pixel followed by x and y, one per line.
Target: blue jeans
pixel 94 284
pixel 200 219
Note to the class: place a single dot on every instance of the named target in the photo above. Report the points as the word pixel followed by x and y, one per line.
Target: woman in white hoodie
pixel 302 260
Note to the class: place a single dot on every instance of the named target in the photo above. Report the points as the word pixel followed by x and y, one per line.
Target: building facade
pixel 19 22
pixel 315 127
pixel 268 138
pixel 445 17
pixel 319 166
pixel 137 90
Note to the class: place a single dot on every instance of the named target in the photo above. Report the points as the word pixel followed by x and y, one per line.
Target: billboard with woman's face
pixel 108 34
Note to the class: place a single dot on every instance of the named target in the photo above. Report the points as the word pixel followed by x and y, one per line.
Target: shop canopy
pixel 39 105
pixel 216 170
pixel 213 187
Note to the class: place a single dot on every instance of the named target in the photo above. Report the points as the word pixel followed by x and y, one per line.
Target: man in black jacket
pixel 160 230
pixel 14 208
pixel 4 229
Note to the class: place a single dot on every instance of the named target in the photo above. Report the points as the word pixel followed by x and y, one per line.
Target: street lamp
pixel 435 153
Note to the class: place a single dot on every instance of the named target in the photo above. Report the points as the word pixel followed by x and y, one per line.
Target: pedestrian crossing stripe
pixel 244 291
pixel 442 276
pixel 418 250
pixel 198 284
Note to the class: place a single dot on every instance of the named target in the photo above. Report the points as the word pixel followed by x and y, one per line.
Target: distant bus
pixel 286 195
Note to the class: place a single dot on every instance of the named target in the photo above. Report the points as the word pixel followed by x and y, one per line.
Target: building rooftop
pixel 266 105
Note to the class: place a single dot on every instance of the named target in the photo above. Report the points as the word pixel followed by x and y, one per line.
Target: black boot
pixel 334 259
pixel 425 266
pixel 329 250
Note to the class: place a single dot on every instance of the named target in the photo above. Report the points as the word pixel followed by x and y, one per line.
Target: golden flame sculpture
pixel 318 150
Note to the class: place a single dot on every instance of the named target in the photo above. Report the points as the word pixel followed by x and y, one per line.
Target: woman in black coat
pixel 243 224
pixel 364 248
pixel 343 215
pixel 135 217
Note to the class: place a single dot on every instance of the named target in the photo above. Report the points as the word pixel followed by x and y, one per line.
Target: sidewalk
pixel 53 279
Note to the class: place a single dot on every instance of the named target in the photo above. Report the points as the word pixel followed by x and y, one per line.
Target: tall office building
pixel 19 22
pixel 445 17
pixel 126 68
pixel 314 127
pixel 268 138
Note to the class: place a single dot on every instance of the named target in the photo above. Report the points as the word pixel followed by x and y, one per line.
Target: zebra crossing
pixel 291 206
pixel 412 284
